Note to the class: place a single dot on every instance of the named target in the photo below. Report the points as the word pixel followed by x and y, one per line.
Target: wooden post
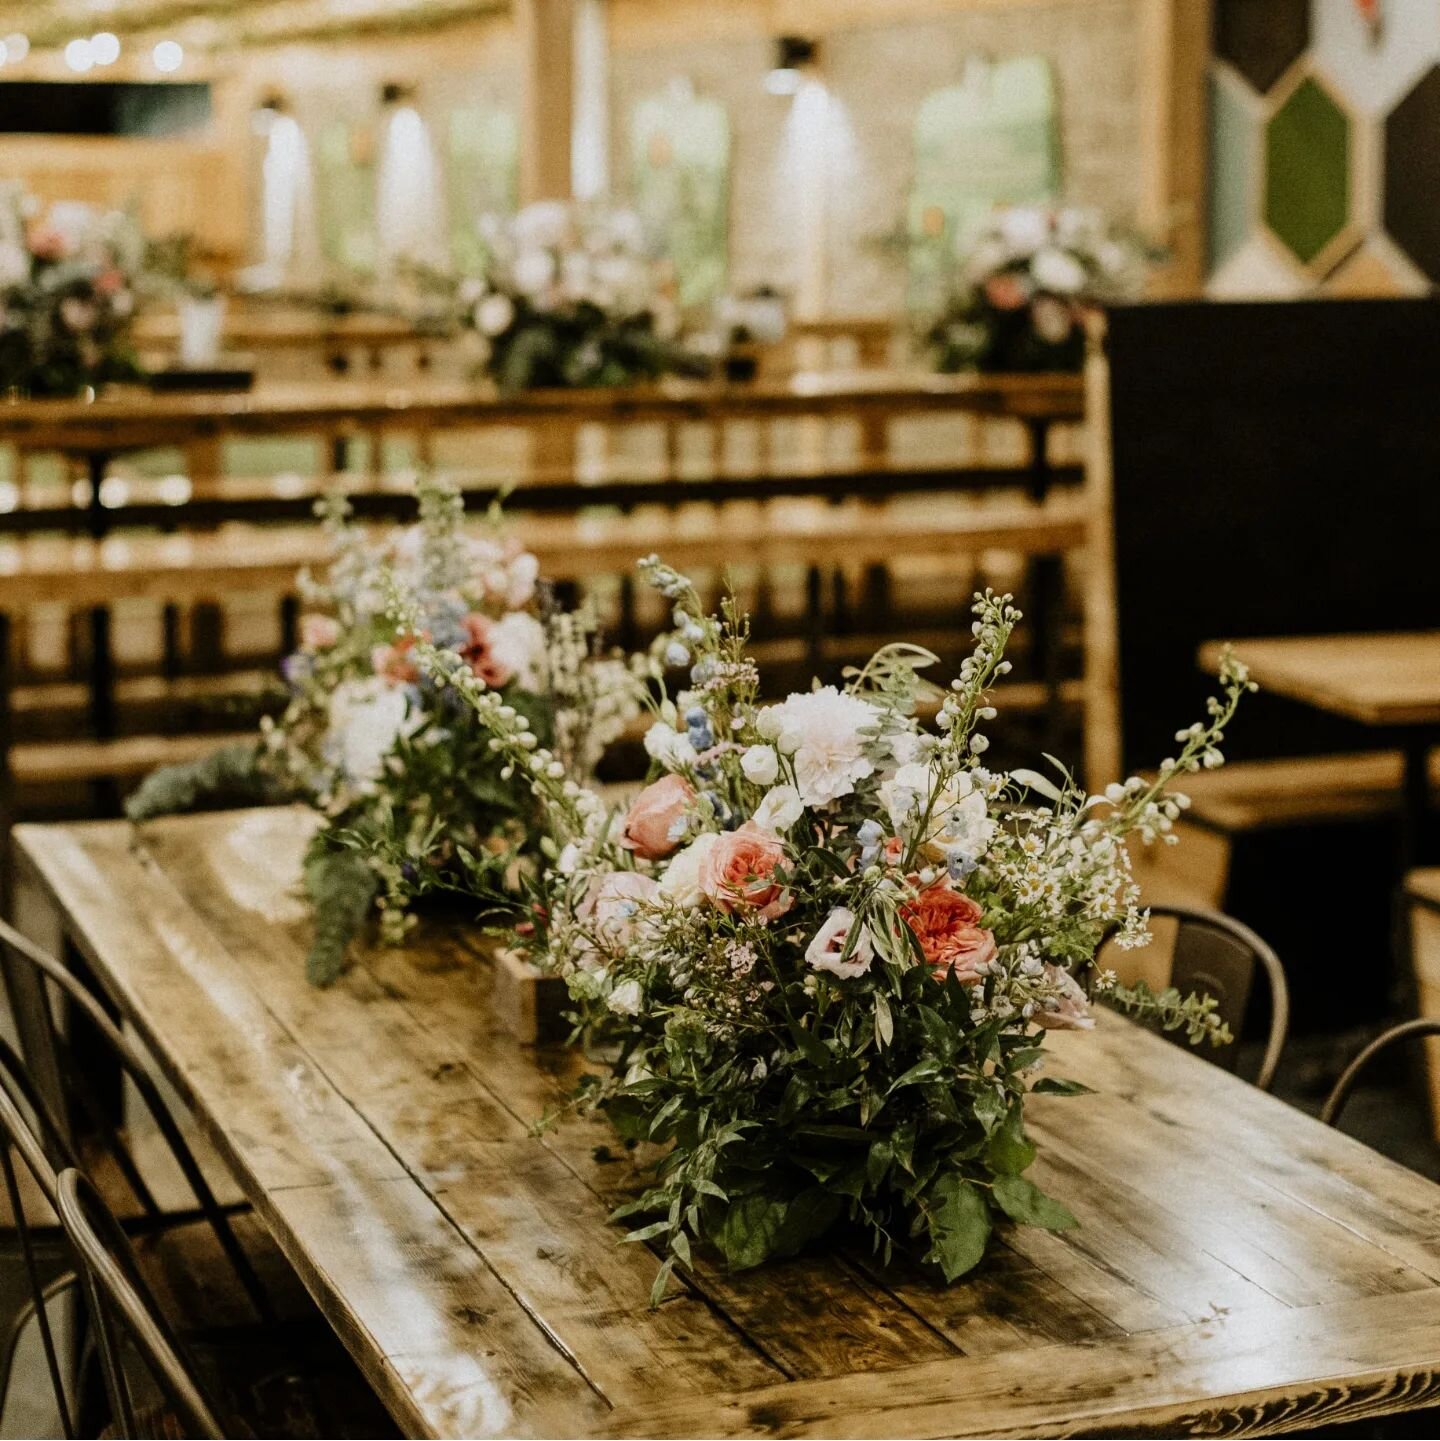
pixel 1174 62
pixel 1101 629
pixel 547 47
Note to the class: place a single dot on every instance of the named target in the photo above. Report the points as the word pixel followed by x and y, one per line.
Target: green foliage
pixel 231 775
pixel 342 888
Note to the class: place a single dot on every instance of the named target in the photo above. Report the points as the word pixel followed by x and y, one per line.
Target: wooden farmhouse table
pixel 1239 1269
pixel 1388 681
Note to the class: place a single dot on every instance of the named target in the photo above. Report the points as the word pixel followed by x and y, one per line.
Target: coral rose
pixel 738 872
pixel 652 828
pixel 944 922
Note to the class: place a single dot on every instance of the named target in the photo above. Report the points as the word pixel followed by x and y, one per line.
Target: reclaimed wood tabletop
pixel 1389 679
pixel 1239 1268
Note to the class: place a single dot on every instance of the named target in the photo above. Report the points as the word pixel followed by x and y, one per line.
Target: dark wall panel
pixel 1277 472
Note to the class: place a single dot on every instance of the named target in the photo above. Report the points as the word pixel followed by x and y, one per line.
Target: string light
pixel 104 48
pixel 17 47
pixel 167 56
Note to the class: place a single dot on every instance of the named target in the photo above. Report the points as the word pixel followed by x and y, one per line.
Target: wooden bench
pixel 1247 797
pixel 187 569
pixel 1422 890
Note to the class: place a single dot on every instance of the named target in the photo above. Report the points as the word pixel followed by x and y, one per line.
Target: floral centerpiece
pixel 67 297
pixel 571 296
pixel 825 943
pixel 1024 285
pixel 410 791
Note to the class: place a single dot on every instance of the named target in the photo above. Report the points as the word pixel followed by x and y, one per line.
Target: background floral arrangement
pixel 402 772
pixel 826 943
pixel 67 296
pixel 1023 288
pixel 571 296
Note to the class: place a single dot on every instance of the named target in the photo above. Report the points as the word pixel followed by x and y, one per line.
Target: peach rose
pixel 1006 291
pixel 650 824
pixel 944 922
pixel 393 663
pixel 738 871
pixel 318 632
pixel 478 651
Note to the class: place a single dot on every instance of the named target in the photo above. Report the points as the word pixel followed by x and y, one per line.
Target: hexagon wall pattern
pixel 1334 187
pixel 1412 174
pixel 1262 39
pixel 1307 170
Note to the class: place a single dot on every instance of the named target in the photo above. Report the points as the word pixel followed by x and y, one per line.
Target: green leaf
pixel 750 1229
pixel 646 1233
pixel 1009 1151
pixel 958 1221
pixel 1059 1086
pixel 884 1022
pixel 926 1070
pixel 657 1291
pixel 989 1108
pixel 1025 1202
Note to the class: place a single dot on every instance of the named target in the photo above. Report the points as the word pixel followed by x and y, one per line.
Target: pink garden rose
pixel 318 632
pixel 650 824
pixel 738 873
pixel 478 651
pixel 945 923
pixel 1071 1011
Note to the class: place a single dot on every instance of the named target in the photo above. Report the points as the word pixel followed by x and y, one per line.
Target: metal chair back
pixel 119 1298
pixel 80 1097
pixel 1340 1093
pixel 18 1139
pixel 1219 956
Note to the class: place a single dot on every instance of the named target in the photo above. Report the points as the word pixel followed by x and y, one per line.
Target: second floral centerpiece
pixel 824 945
pixel 402 773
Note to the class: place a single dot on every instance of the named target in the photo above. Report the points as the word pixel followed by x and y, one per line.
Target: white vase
pixel 202 321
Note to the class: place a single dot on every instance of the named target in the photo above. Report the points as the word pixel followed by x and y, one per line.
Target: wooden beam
pixel 1174 45
pixel 547 49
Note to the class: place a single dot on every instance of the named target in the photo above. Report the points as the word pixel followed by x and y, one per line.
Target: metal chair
pixel 1218 956
pixel 117 1293
pixel 1340 1093
pixel 18 1139
pixel 77 1098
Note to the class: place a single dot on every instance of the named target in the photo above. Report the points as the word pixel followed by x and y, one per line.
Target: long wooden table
pixel 1239 1268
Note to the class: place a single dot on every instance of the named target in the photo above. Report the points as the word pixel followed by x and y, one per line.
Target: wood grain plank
pixel 1254 1374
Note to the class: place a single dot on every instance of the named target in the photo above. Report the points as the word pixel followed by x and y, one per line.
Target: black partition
pixel 1276 472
